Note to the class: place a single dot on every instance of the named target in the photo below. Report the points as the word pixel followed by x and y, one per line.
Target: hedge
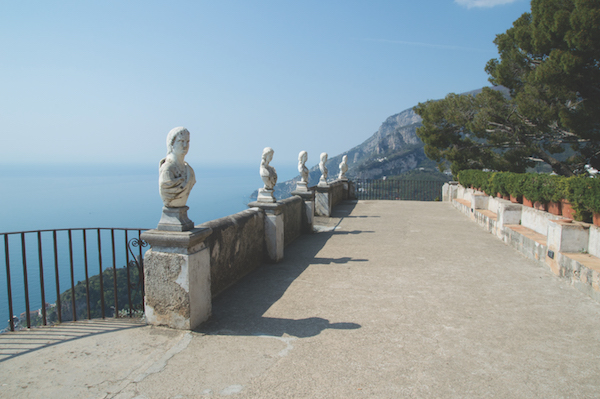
pixel 581 191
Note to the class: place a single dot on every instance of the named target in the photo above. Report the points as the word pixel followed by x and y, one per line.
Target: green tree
pixel 550 62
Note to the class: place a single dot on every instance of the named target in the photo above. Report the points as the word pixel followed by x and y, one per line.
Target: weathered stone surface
pixel 177 278
pixel 322 201
pixel 338 191
pixel 175 219
pixel 236 247
pixel 185 242
pixel 293 217
pixel 308 199
pixel 167 301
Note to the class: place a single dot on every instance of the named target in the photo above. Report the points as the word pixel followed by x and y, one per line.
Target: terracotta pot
pixel 516 200
pixel 498 195
pixel 567 209
pixel 539 206
pixel 528 203
pixel 597 219
pixel 554 208
pixel 506 197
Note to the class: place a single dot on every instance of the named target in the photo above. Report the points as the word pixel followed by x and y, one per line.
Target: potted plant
pixel 557 194
pixel 577 189
pixel 515 185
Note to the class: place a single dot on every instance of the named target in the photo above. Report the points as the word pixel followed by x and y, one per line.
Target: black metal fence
pixel 405 190
pixel 101 269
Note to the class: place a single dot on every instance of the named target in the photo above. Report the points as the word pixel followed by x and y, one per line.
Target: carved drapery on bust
pixel 268 176
pixel 176 177
pixel 267 172
pixel 343 167
pixel 302 158
pixel 323 168
pixel 302 184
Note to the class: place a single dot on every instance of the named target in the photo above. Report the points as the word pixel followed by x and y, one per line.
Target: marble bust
pixel 324 172
pixel 343 167
pixel 302 158
pixel 175 181
pixel 303 170
pixel 268 176
pixel 176 177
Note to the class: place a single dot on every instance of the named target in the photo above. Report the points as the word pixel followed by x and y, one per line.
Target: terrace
pixel 386 299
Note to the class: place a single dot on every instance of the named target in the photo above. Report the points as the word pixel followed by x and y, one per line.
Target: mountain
pixel 394 149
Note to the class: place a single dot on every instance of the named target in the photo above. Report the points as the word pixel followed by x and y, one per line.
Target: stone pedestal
pixel 177 278
pixel 274 238
pixel 265 195
pixel 301 187
pixel 323 201
pixel 309 208
pixel 175 219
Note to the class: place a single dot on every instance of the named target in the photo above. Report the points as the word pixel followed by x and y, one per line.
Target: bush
pixel 582 192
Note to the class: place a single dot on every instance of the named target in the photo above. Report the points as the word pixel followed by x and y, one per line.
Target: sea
pixel 61 196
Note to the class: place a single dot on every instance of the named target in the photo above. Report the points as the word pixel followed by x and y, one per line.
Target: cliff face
pixel 393 149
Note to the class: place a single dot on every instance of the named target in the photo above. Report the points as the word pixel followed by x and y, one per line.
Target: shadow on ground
pixel 13 344
pixel 239 310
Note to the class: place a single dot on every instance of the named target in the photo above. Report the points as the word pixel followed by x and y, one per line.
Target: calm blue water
pixel 92 196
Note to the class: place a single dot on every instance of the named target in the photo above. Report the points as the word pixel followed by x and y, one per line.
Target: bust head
pixel 323 157
pixel 345 159
pixel 303 156
pixel 267 154
pixel 178 141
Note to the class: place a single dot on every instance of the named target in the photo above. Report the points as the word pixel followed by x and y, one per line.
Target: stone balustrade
pixel 181 281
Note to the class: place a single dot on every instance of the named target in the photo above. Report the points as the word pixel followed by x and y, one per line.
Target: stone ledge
pixel 183 242
pixel 529 233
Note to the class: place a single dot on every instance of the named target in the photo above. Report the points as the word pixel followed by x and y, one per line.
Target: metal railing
pixel 67 257
pixel 405 190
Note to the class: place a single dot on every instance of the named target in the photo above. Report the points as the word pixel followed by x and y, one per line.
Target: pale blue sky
pixel 105 81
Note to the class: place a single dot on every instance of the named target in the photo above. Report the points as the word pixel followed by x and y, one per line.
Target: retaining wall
pixel 570 249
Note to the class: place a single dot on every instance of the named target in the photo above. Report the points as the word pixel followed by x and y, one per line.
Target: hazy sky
pixel 104 81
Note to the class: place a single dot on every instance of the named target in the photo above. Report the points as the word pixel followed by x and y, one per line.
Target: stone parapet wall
pixel 337 192
pixel 186 269
pixel 293 219
pixel 236 247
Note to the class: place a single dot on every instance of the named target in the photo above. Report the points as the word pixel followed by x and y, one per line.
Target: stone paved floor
pixel 388 300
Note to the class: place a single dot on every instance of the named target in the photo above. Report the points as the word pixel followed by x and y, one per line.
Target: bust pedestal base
pixel 175 219
pixel 274 239
pixel 177 278
pixel 265 195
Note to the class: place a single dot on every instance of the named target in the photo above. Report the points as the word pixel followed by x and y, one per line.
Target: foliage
pixel 549 60
pixel 582 192
pixel 95 295
pixel 584 195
